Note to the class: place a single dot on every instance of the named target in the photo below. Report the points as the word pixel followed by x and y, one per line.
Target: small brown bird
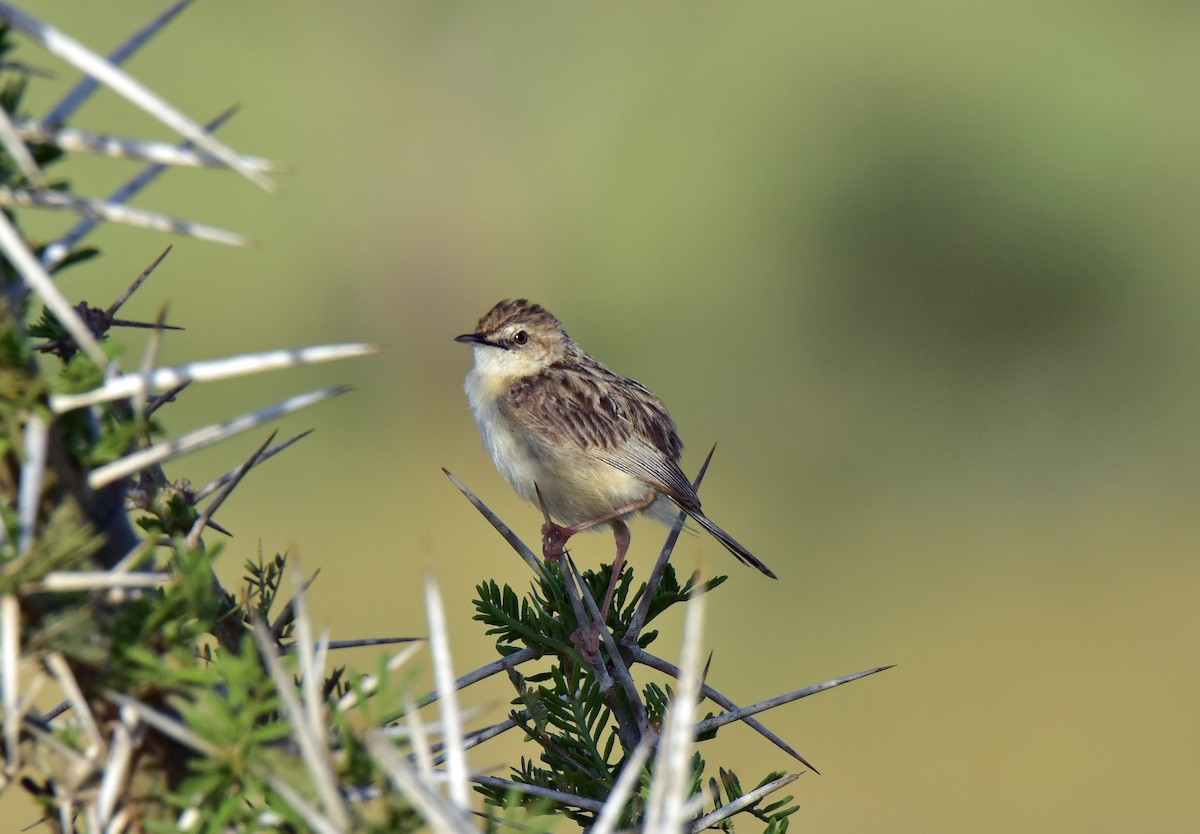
pixel 593 446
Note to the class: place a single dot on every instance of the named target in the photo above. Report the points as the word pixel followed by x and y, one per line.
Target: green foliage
pixel 50 328
pixel 531 622
pixel 80 373
pixel 568 714
pixel 573 726
pixel 172 514
pixel 213 733
pixel 229 702
pixel 65 545
pixel 545 620
pixel 774 813
pixel 262 582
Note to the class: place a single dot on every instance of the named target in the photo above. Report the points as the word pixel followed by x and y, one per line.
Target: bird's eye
pixel 520 337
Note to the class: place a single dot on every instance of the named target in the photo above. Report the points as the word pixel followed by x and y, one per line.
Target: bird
pixel 592 447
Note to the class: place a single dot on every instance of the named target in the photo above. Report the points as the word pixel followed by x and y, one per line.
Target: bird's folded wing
pixel 649 466
pixel 621 424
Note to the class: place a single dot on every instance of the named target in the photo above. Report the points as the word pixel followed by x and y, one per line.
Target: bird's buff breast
pixel 575 487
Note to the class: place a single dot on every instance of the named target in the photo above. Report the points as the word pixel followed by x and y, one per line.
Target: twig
pixel 672 764
pixel 333 645
pixel 78 767
pixel 149 360
pixel 319 822
pixel 642 613
pixel 10 656
pixel 551 745
pixel 193 536
pixel 37 279
pixel 419 738
pixel 167 396
pixel 18 151
pixel 33 471
pixel 57 664
pixel 631 772
pixel 369 684
pixel 640 655
pixel 445 817
pixel 73 140
pixel 628 727
pixel 509 536
pixel 54 254
pixel 120 300
pixel 563 797
pixel 444 675
pixel 307 736
pixel 76 54
pixel 478 737
pixel 80 93
pixel 116 770
pixel 507 662
pixel 584 621
pixel 287 614
pixel 214 485
pixel 144 325
pixel 631 728
pixel 127 385
pixel 166 725
pixel 312 656
pixel 709 820
pixel 206 436
pixel 117 213
pixel 739 714
pixel 94 580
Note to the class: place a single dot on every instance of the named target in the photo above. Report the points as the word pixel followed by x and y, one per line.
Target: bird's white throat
pixel 495 371
pixel 486 383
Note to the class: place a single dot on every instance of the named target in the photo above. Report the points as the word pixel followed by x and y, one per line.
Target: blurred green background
pixel 927 271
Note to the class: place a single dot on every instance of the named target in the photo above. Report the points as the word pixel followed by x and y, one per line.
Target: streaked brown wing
pixel 640 461
pixel 612 419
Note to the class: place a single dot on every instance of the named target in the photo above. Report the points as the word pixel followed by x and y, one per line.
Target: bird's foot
pixel 586 638
pixel 554 541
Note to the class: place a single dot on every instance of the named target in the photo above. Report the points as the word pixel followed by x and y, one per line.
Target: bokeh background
pixel 927 271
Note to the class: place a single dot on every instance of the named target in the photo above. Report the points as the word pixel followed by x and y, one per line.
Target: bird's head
pixel 516 339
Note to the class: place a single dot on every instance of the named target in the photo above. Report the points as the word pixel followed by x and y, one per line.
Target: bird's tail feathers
pixel 731 544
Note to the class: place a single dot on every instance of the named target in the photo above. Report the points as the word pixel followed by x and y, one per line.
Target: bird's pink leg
pixel 587 638
pixel 554 539
pixel 621 533
pixel 555 536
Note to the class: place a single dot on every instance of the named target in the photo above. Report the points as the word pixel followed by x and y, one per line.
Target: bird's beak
pixel 477 339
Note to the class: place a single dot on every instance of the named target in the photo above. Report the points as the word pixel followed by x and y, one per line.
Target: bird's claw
pixel 587 639
pixel 554 541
